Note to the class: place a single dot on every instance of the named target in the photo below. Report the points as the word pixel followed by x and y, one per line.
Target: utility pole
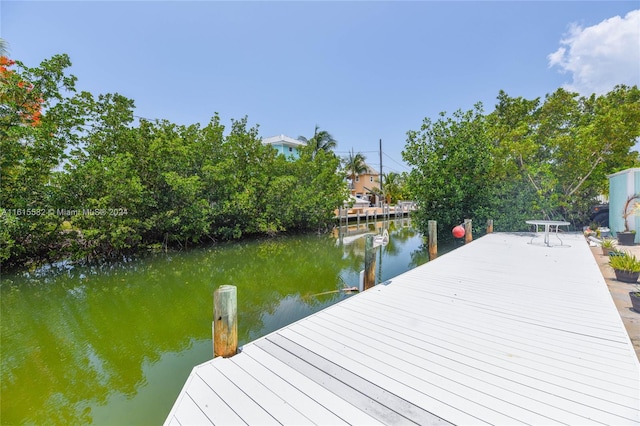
pixel 381 183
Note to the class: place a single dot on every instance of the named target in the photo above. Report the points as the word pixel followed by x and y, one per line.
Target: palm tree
pixel 4 47
pixel 321 141
pixel 355 165
pixel 393 186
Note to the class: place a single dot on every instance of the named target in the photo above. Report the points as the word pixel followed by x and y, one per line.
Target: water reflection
pixel 113 344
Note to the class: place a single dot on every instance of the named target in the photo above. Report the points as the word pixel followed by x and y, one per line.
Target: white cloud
pixel 601 56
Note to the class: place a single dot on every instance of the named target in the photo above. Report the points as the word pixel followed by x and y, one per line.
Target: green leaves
pixel 395 187
pixel 320 141
pixel 526 159
pixel 354 164
pixel 452 159
pixel 102 187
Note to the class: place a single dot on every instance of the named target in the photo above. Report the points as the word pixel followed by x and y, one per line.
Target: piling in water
pixel 369 263
pixel 225 321
pixel 433 239
pixel 468 236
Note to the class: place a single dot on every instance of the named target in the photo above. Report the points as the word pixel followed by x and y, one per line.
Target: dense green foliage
pixel 86 181
pixel 451 159
pixel 395 188
pixel 527 159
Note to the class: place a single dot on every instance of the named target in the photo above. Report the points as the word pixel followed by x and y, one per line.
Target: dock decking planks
pixel 499 331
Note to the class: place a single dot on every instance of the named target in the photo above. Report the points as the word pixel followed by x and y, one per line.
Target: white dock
pixel 498 331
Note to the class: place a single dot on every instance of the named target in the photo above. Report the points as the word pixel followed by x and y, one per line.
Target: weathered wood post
pixel 433 239
pixel 468 236
pixel 225 321
pixel 489 226
pixel 369 262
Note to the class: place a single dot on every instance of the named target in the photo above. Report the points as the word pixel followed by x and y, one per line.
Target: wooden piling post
pixel 369 263
pixel 225 321
pixel 468 236
pixel 433 239
pixel 489 226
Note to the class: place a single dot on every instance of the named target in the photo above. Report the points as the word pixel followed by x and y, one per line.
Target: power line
pixel 387 168
pixel 360 152
pixel 398 163
pixel 406 169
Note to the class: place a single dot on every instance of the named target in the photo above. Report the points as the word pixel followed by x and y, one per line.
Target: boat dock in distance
pixel 504 330
pixel 398 211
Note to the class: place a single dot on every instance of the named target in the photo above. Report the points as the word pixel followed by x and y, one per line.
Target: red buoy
pixel 458 231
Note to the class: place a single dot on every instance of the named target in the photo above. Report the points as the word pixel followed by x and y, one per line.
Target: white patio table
pixel 547 227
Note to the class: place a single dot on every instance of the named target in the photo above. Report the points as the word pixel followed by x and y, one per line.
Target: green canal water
pixel 113 345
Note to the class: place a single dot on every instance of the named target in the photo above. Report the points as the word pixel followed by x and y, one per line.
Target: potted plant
pixel 627 237
pixel 608 245
pixel 626 267
pixel 635 299
pixel 589 232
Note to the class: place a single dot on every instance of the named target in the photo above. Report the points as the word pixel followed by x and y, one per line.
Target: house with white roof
pixel 285 145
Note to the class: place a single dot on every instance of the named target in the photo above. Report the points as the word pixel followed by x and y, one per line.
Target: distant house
pixel 285 145
pixel 366 185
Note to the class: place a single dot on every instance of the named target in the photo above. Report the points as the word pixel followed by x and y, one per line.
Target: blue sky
pixel 361 70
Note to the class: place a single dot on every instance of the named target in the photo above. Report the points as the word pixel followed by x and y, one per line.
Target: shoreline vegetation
pixel 164 187
pixel 83 178
pixel 85 181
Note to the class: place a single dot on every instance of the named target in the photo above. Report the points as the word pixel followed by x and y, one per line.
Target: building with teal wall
pixel 285 145
pixel 623 186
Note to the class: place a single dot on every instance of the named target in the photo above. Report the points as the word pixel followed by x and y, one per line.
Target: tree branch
pixel 593 167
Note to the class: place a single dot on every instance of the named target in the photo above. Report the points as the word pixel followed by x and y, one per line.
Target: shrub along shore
pixel 88 181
